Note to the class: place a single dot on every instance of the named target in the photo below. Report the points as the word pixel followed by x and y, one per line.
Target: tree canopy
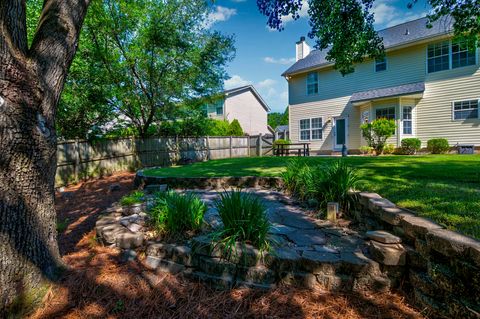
pixel 142 59
pixel 276 118
pixel 345 27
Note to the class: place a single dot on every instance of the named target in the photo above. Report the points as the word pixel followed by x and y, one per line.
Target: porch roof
pixel 393 91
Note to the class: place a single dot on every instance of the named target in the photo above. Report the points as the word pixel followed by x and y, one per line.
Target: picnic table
pixel 299 149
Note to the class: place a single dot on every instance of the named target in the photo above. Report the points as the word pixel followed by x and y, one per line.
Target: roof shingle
pixel 388 92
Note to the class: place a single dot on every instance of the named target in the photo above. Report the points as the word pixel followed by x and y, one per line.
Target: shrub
pixel 366 149
pixel 334 182
pixel 438 146
pixel 410 146
pixel 177 213
pixel 389 149
pixel 377 132
pixel 281 142
pixel 134 198
pixel 244 220
pixel 234 128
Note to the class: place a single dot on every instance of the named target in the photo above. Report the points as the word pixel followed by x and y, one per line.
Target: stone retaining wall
pixel 442 266
pixel 207 182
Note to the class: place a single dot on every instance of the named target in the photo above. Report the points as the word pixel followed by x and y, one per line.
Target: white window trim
pixel 310 129
pixel 306 85
pixel 411 120
pixel 465 100
pixel 450 63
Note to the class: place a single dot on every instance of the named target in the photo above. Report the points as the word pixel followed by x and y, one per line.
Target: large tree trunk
pixel 31 82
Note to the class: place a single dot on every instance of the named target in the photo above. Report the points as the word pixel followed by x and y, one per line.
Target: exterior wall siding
pixel 246 108
pixel 432 114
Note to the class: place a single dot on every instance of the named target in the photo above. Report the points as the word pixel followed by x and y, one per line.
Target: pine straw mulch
pixel 98 285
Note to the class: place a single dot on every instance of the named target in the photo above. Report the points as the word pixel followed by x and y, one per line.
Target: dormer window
pixel 381 64
pixel 312 83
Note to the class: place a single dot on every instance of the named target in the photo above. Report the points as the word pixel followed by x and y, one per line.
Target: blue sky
pixel 263 54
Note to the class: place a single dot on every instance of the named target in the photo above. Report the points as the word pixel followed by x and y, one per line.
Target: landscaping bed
pixel 305 251
pixel 100 284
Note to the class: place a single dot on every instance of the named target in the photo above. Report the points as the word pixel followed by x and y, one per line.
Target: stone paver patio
pixel 293 228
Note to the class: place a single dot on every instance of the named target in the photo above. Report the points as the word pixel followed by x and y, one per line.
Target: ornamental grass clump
pixel 335 181
pixel 134 198
pixel 175 213
pixel 244 221
pixel 321 184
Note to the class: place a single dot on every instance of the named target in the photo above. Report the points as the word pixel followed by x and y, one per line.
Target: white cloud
pixel 235 81
pixel 302 13
pixel 267 83
pixel 283 61
pixel 387 15
pixel 220 14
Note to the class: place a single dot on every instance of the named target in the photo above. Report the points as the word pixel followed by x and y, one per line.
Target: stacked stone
pixel 442 266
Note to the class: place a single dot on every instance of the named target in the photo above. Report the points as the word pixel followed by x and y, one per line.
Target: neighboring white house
pixel 245 105
pixel 428 83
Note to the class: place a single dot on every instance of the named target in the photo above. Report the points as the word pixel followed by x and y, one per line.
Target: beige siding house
pixel 245 105
pixel 429 83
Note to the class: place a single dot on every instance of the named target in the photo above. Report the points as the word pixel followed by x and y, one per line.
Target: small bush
pixel 235 129
pixel 366 150
pixel 281 142
pixel 438 146
pixel 177 213
pixel 410 146
pixel 245 220
pixel 377 132
pixel 389 149
pixel 134 198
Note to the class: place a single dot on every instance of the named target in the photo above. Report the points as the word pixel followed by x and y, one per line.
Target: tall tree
pixel 31 81
pixel 345 27
pixel 153 55
pixel 276 118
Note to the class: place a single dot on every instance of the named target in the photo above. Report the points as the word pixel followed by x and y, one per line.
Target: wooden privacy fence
pixel 81 159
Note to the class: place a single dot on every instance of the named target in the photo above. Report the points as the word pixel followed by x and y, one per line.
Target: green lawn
pixel 445 188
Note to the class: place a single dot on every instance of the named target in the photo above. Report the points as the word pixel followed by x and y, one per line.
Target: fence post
pixel 230 146
pixel 207 141
pixel 260 151
pixel 76 165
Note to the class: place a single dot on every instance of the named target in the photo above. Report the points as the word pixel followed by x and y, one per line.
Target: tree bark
pixel 31 81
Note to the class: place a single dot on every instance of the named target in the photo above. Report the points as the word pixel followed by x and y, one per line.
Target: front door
pixel 340 132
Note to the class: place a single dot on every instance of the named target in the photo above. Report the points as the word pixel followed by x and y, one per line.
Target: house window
pixel 380 64
pixel 407 120
pixel 312 83
pixel 311 129
pixel 465 110
pixel 305 130
pixel 317 128
pixel 219 109
pixel 438 56
pixel 463 54
pixel 387 113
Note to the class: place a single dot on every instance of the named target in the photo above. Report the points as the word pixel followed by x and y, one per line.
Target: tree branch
pixel 54 46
